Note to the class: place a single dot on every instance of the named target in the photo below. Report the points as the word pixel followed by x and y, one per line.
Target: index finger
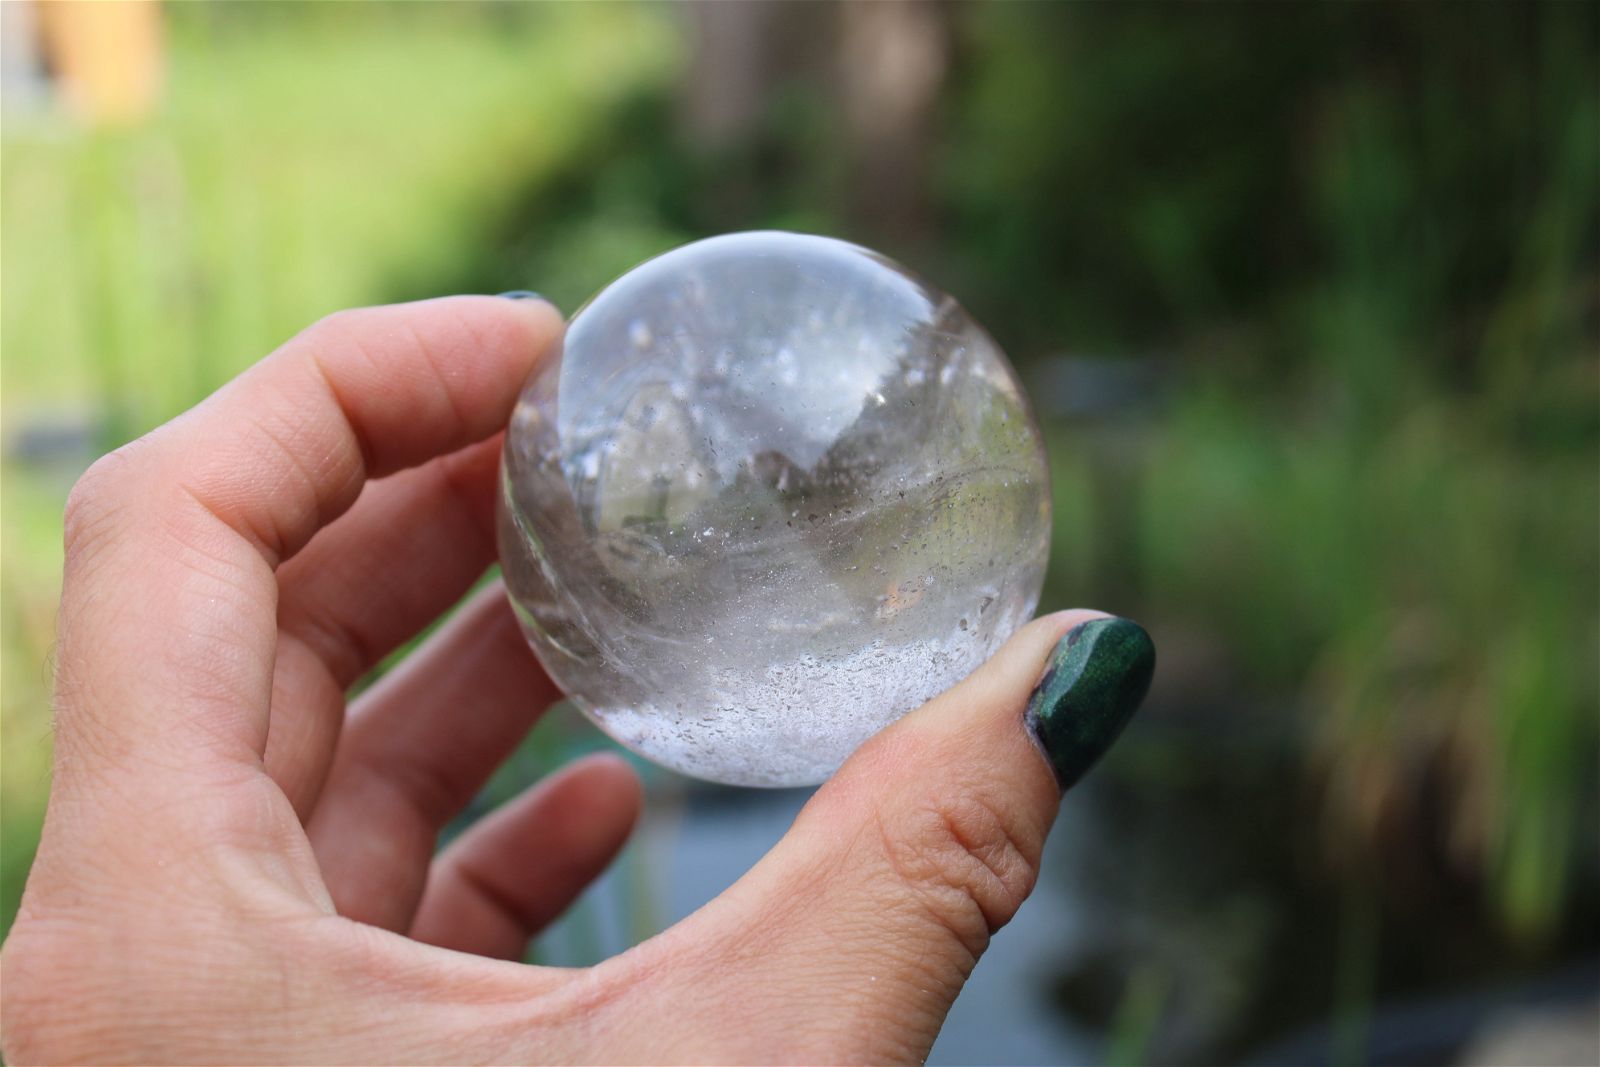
pixel 169 604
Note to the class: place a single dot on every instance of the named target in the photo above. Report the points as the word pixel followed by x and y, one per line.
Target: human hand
pixel 234 868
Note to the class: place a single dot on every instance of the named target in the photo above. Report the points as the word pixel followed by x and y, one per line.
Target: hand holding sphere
pixel 240 864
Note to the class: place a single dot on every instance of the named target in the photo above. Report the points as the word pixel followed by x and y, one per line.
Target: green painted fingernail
pixel 1097 678
pixel 521 294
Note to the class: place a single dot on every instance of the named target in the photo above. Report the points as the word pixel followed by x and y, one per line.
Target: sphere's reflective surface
pixel 773 493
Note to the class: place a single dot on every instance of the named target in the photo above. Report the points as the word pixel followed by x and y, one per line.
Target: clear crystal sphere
pixel 773 492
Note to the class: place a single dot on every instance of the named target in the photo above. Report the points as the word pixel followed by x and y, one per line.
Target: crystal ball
pixel 773 492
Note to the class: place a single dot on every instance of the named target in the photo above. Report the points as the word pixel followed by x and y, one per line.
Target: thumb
pixel 850 940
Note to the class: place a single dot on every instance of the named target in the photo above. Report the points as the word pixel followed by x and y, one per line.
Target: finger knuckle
pixel 336 338
pixel 965 857
pixel 98 502
pixel 337 326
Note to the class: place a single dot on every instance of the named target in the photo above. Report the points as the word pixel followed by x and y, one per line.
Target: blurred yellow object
pixel 105 56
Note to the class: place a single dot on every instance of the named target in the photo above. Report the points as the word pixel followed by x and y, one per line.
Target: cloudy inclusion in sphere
pixel 773 493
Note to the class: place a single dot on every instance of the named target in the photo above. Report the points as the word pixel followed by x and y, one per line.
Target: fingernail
pixel 1096 679
pixel 521 294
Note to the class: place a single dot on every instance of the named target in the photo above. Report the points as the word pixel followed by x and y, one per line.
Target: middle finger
pixel 408 549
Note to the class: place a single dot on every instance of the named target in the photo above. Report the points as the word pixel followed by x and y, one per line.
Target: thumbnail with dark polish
pixel 1096 679
pixel 521 294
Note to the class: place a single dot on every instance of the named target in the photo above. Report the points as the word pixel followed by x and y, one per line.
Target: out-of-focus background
pixel 1307 298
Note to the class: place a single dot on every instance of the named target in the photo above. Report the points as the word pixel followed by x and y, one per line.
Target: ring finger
pixel 416 748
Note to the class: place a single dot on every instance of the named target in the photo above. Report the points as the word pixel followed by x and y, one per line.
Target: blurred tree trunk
pixel 893 57
pixel 878 68
pixel 744 55
pixel 733 68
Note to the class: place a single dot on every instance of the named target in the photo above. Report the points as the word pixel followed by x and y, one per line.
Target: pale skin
pixel 238 867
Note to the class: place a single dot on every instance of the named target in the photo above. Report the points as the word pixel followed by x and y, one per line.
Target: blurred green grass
pixel 299 165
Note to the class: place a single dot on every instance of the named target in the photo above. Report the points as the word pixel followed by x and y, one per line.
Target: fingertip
pixel 613 769
pixel 534 855
pixel 1021 660
pixel 538 320
pixel 610 782
pixel 526 301
pixel 1059 622
pixel 1095 680
pixel 540 309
